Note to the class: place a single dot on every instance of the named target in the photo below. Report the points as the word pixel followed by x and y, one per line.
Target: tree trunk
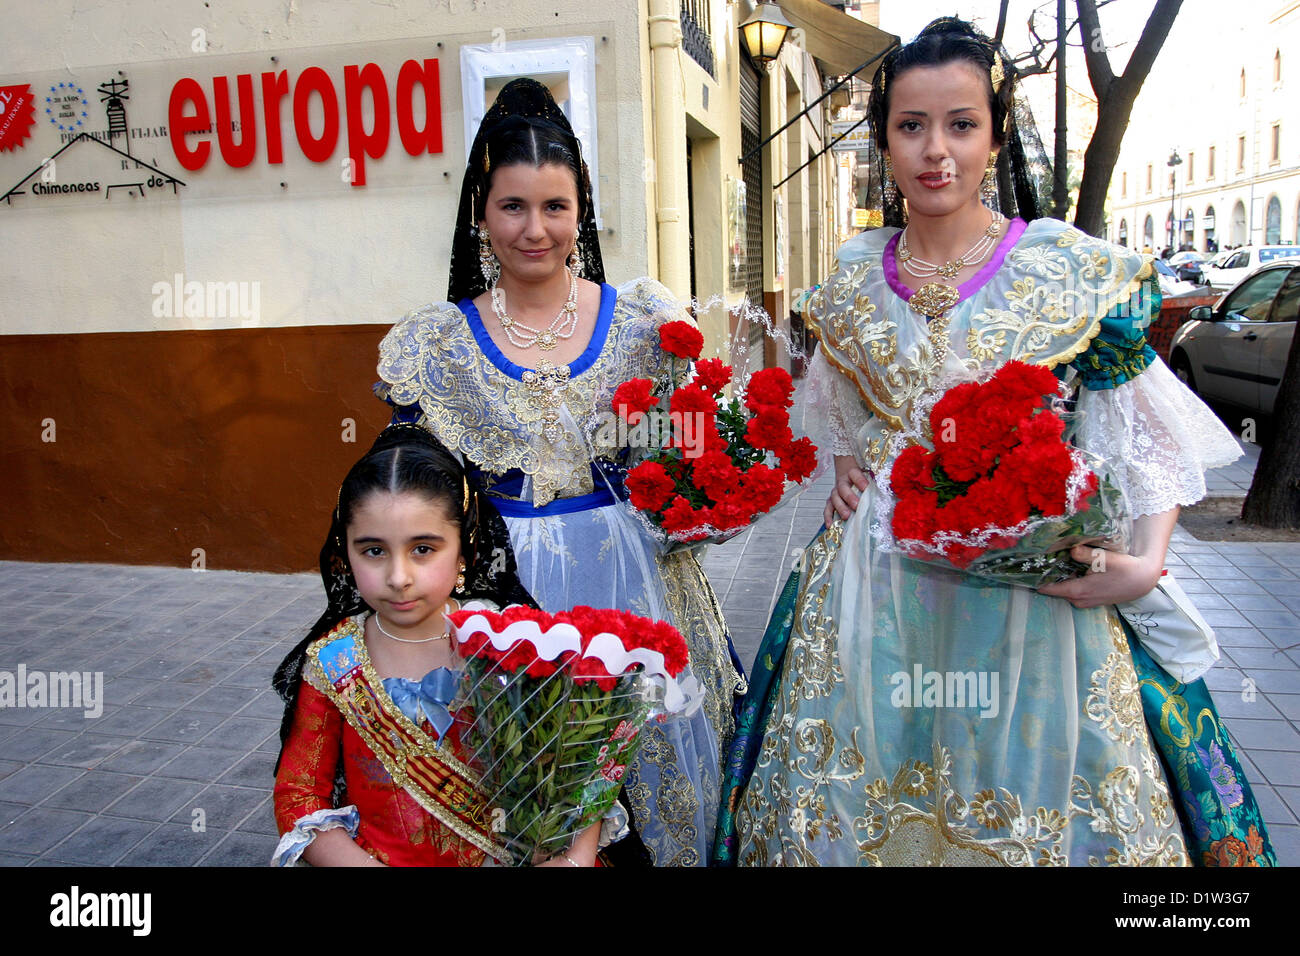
pixel 1274 497
pixel 1099 163
pixel 1061 160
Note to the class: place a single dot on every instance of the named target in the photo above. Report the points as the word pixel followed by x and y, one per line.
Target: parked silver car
pixel 1236 351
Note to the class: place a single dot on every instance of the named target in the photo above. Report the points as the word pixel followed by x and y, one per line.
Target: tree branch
pixel 1153 38
pixel 1036 68
pixel 1002 21
pixel 1036 65
pixel 1100 73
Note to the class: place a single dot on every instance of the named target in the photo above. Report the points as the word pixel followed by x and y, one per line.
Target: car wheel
pixel 1183 369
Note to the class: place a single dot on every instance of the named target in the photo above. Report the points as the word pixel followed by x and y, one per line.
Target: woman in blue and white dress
pixel 517 374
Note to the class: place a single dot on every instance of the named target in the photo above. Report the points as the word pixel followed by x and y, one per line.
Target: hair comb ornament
pixel 997 73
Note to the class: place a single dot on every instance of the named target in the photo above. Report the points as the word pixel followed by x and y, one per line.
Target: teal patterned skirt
pixel 1220 818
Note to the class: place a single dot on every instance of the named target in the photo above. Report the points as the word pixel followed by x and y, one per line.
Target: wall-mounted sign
pixel 17 114
pixel 852 135
pixel 324 119
pixel 361 115
pixel 90 163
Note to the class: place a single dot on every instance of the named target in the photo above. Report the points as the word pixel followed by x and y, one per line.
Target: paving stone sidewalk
pixel 177 769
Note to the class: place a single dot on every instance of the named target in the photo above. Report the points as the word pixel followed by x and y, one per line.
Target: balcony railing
pixel 697 34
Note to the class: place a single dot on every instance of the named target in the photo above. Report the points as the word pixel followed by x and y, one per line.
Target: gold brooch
pixel 934 299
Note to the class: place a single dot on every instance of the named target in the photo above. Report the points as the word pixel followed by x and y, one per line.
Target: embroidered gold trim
pixel 1045 322
pixel 810 790
pixel 431 359
pixel 829 351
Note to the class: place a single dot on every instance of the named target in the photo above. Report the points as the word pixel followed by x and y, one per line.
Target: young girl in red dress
pixel 372 770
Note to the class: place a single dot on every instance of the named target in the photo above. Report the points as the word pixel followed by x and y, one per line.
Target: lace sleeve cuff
pixel 1157 436
pixel 295 841
pixel 829 411
pixel 841 443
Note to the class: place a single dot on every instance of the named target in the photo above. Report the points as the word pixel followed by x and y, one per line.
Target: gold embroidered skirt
pixel 926 717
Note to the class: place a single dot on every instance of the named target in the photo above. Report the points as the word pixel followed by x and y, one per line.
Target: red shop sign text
pixel 188 113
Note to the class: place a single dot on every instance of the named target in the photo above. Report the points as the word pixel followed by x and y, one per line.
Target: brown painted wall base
pixel 229 441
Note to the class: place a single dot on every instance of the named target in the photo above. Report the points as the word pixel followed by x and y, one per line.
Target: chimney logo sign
pixel 99 162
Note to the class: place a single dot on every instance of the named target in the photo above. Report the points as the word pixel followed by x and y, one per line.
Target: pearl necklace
pixel 949 270
pixel 417 640
pixel 525 336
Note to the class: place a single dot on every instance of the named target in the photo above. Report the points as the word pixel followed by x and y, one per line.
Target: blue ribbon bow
pixel 426 699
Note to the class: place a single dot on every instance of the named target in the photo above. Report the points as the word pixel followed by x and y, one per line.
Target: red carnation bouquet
pixel 707 467
pixel 555 705
pixel 1002 494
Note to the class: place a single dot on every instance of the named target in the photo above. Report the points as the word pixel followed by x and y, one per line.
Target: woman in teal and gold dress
pixel 1058 765
pixel 525 399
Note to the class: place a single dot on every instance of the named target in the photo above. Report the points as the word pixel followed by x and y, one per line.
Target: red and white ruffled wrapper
pixel 682 696
pixel 555 717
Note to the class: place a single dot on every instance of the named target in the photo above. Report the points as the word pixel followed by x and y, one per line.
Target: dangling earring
pixel 891 188
pixel 575 260
pixel 487 259
pixel 460 579
pixel 989 187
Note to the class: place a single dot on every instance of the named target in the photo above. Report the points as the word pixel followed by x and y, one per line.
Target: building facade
pixel 1211 159
pixel 212 220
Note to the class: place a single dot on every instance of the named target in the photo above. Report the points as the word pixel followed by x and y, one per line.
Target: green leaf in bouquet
pixel 553 751
pixel 945 487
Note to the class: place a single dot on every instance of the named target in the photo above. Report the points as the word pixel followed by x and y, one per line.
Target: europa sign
pixel 305 122
pixel 361 114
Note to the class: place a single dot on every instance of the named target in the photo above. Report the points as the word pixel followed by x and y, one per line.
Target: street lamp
pixel 764 32
pixel 1174 161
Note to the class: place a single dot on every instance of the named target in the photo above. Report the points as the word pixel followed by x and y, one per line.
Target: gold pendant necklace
pixel 923 269
pixel 933 299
